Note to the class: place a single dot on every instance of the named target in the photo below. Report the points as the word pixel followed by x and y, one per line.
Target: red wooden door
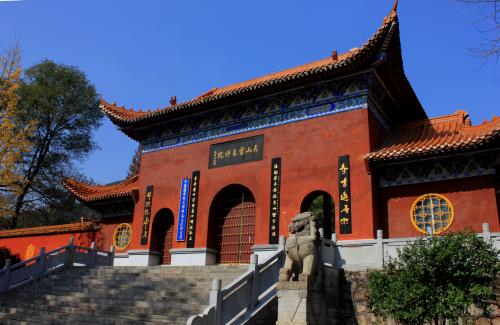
pixel 235 227
pixel 166 258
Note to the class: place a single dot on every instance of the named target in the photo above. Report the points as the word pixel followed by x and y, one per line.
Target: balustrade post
pixel 281 242
pixel 41 263
pixel 92 255
pixel 5 279
pixel 70 250
pixel 281 246
pixel 380 248
pixel 254 266
pixel 111 255
pixel 216 300
pixel 486 232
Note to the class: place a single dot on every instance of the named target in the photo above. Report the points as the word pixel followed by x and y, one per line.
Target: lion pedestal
pixel 307 292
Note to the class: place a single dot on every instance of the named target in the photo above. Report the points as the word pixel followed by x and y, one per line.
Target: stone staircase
pixel 116 295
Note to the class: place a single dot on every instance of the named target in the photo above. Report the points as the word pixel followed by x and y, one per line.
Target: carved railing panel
pixel 242 298
pixel 38 267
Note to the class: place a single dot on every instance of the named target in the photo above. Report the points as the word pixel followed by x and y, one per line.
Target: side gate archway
pixel 232 224
pixel 162 234
pixel 321 203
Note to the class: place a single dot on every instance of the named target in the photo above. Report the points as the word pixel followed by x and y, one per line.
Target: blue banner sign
pixel 183 207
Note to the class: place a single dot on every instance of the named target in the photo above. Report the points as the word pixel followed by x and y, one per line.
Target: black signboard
pixel 344 195
pixel 236 151
pixel 147 215
pixel 274 219
pixel 193 208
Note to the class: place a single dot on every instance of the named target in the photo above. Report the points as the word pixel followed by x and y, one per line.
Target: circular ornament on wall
pixel 431 214
pixel 122 236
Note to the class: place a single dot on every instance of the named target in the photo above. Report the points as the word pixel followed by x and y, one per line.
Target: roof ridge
pixel 123 115
pixel 123 183
pixel 87 193
pixel 459 116
pixel 448 133
pixel 68 227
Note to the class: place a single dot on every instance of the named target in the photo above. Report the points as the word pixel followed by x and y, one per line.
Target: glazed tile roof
pixel 93 193
pixel 46 230
pixel 334 64
pixel 440 135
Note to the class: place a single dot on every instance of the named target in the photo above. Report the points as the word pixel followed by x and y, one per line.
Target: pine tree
pixel 135 164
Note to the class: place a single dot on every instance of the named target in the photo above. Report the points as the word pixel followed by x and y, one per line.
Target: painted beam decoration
pixel 274 219
pixel 183 208
pixel 193 208
pixel 147 215
pixel 236 151
pixel 344 195
pixel 340 95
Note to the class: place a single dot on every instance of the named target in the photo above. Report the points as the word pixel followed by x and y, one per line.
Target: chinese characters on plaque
pixel 236 152
pixel 344 195
pixel 183 206
pixel 147 215
pixel 275 201
pixel 193 208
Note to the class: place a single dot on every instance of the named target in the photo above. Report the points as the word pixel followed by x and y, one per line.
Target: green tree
pixel 65 105
pixel 436 279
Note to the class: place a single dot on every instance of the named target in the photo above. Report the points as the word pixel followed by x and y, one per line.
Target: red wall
pixel 107 230
pixel 18 245
pixel 309 151
pixel 473 200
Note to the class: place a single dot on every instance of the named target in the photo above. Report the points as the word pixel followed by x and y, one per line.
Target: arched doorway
pixel 162 233
pixel 232 224
pixel 321 204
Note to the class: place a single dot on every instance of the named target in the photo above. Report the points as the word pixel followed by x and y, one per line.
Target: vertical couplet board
pixel 344 195
pixel 193 208
pixel 274 218
pixel 183 206
pixel 147 215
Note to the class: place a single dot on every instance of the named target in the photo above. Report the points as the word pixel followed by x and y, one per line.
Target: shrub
pixel 5 254
pixel 436 279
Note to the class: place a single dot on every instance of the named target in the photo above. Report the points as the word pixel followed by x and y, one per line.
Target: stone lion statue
pixel 301 248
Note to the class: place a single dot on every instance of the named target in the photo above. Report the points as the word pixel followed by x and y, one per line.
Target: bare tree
pixel 489 26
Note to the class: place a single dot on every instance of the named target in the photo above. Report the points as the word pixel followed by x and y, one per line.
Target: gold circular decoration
pixel 122 236
pixel 431 214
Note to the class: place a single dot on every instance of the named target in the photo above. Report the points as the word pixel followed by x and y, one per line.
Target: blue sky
pixel 140 53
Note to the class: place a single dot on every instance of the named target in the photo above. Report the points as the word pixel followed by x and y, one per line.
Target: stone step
pixel 142 314
pixel 115 295
pixel 97 279
pixel 110 310
pixel 116 290
pixel 54 300
pixel 64 318
pixel 162 292
pixel 39 312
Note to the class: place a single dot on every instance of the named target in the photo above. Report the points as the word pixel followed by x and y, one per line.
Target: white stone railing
pixel 372 253
pixel 38 267
pixel 243 298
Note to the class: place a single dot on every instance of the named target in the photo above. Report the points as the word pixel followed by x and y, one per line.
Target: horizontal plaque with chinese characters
pixel 236 152
pixel 344 195
pixel 147 215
